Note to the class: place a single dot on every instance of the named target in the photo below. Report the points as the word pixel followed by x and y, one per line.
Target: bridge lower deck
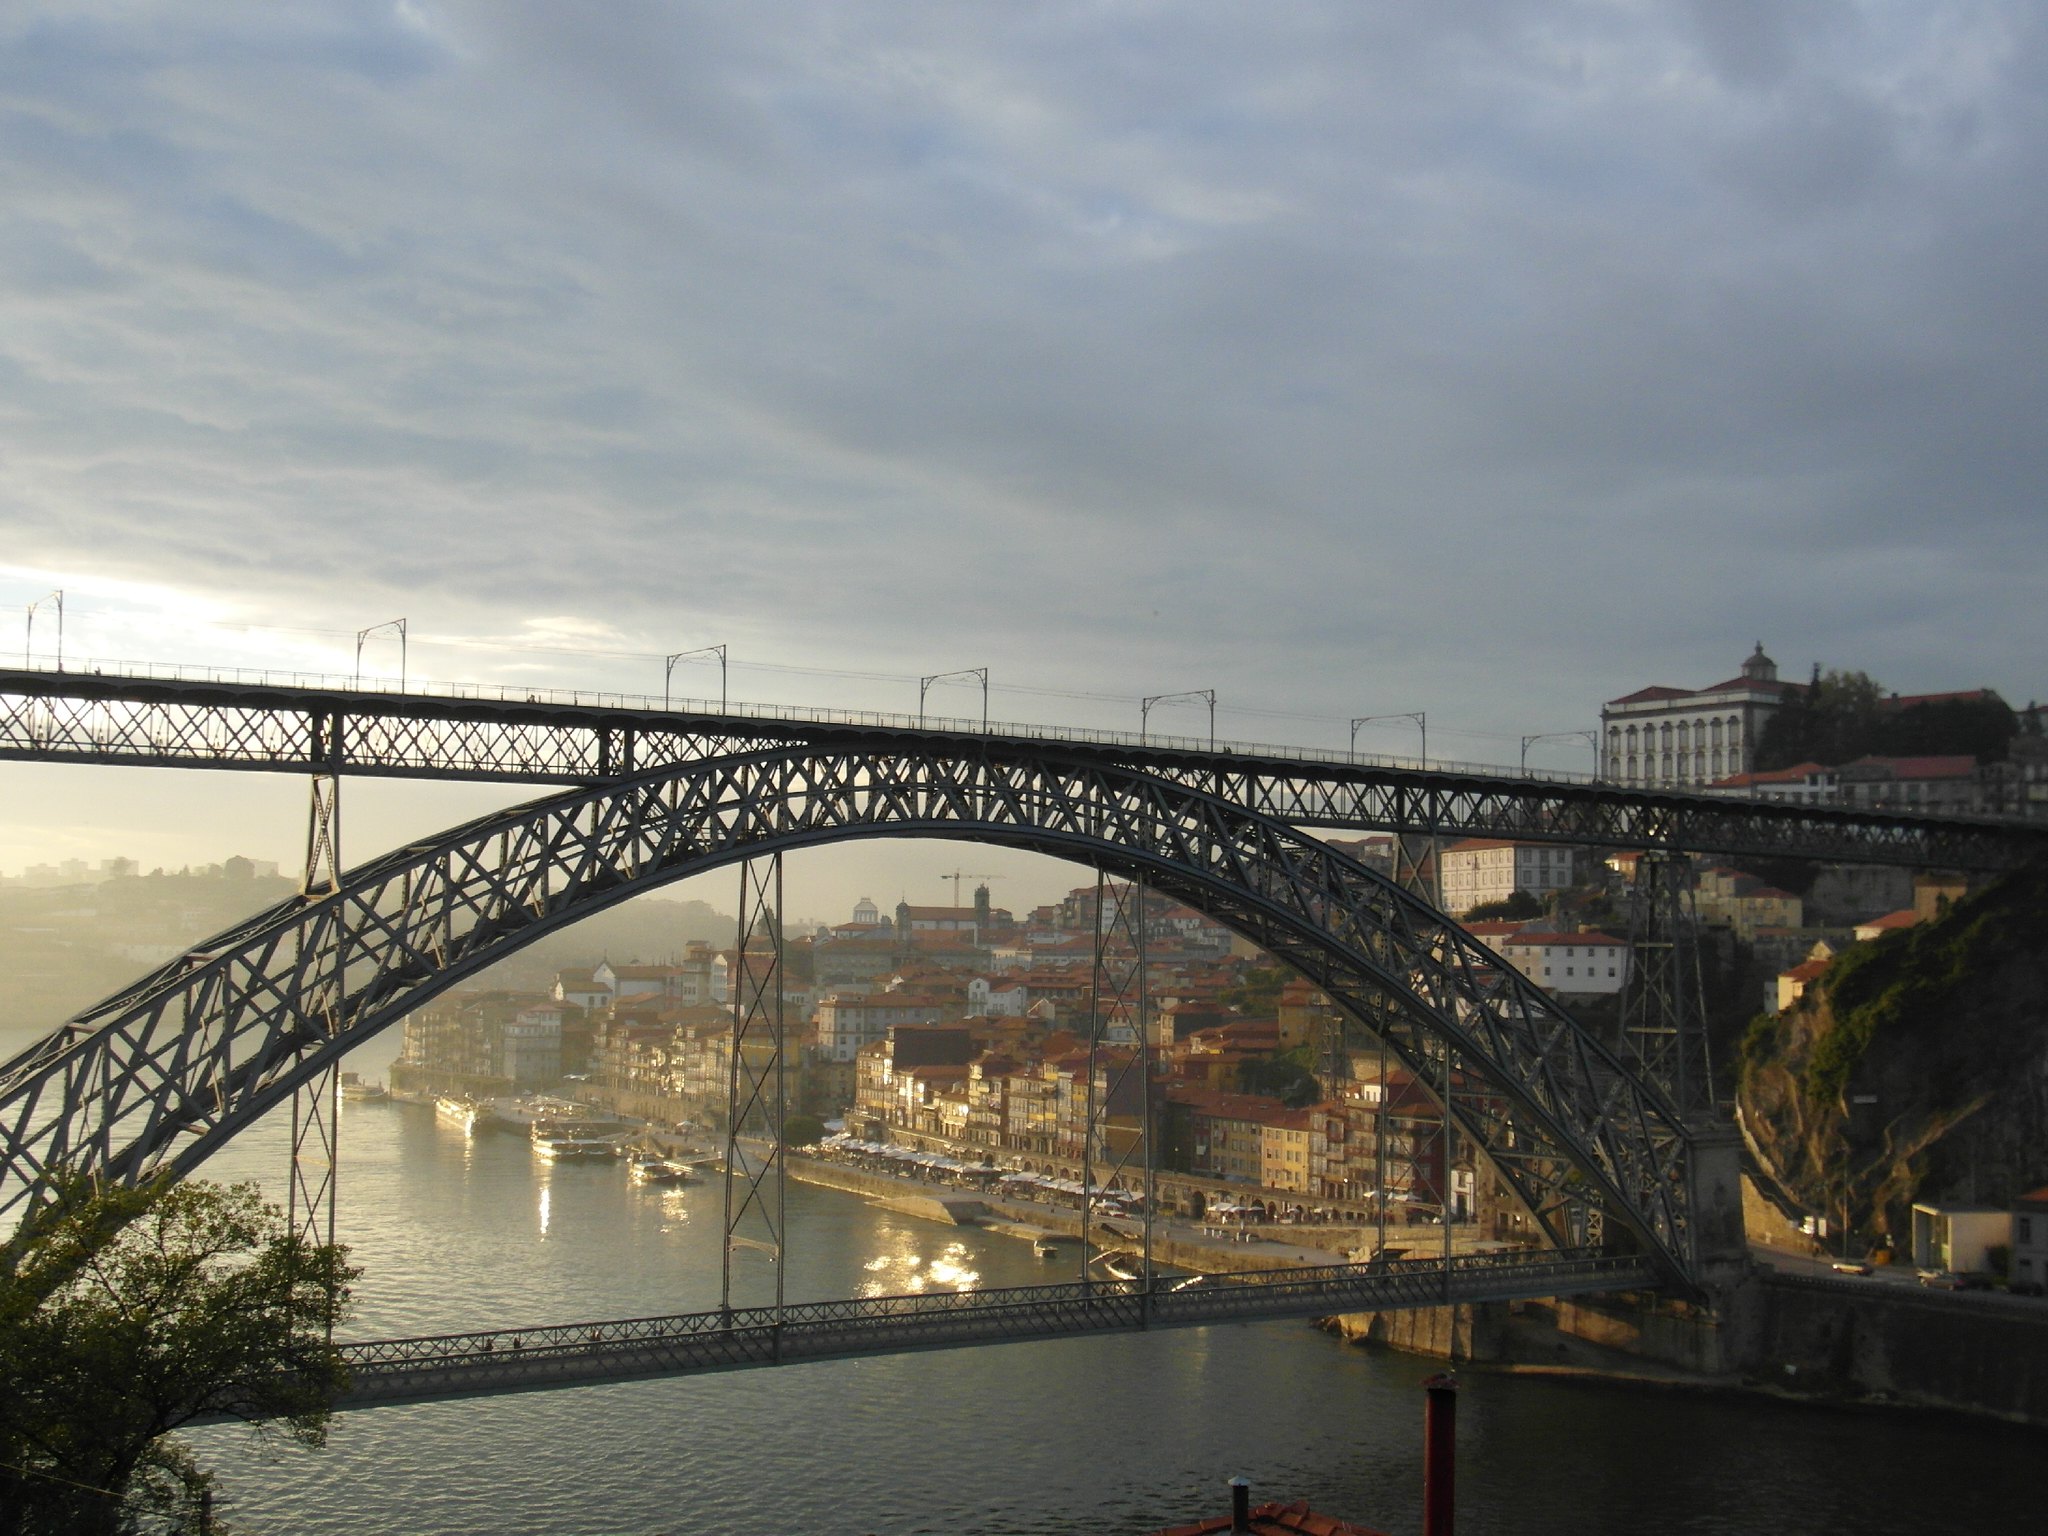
pixel 585 1354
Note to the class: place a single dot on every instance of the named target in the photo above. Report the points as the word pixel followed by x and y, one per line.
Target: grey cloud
pixel 1412 337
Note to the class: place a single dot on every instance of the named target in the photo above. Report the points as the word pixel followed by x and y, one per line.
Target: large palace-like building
pixel 1679 738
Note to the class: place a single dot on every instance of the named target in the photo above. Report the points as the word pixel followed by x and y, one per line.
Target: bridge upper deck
pixel 504 735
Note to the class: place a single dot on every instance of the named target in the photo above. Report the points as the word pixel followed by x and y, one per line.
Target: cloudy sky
pixel 1484 357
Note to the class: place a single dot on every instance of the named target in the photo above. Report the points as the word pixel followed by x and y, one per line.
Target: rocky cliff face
pixel 1916 1069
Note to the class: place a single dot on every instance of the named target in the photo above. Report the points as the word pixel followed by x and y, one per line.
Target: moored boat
pixel 575 1149
pixel 459 1113
pixel 1120 1266
pixel 662 1170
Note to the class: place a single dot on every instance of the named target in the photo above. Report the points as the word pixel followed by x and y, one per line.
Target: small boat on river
pixel 459 1113
pixel 1121 1266
pixel 575 1149
pixel 662 1170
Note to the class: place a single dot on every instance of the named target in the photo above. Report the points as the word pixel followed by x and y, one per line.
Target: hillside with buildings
pixel 1910 1066
pixel 1837 739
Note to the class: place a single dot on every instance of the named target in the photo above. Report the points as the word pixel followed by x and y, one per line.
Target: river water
pixel 1122 1434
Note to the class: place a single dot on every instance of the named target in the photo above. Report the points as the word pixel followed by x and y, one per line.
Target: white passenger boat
pixel 459 1113
pixel 575 1149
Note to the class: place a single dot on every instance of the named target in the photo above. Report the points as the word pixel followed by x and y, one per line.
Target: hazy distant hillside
pixel 64 948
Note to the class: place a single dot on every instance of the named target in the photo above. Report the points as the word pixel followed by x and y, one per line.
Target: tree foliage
pixel 800 1130
pixel 1841 716
pixel 1517 904
pixel 1286 1077
pixel 127 1313
pixel 1257 994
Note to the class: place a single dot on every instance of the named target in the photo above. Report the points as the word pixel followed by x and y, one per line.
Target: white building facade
pixel 1677 738
pixel 1594 963
pixel 1476 870
pixel 845 1024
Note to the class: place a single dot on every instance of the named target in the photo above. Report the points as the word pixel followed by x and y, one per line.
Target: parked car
pixel 1942 1280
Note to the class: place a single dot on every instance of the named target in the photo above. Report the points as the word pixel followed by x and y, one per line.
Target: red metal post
pixel 1439 1455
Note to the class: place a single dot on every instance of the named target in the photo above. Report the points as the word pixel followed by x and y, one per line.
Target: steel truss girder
pixel 389 1371
pixel 87 718
pixel 1603 816
pixel 1663 1012
pixel 313 1185
pixel 165 1072
pixel 326 732
pixel 1118 983
pixel 756 1174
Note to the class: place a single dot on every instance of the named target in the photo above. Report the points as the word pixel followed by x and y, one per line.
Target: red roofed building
pixel 1891 922
pixel 1801 784
pixel 1947 783
pixel 1569 962
pixel 1678 738
pixel 1792 984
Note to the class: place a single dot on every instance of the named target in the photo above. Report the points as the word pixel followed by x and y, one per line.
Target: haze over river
pixel 1109 1435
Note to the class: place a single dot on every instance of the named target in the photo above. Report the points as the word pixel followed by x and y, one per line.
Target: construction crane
pixel 958 875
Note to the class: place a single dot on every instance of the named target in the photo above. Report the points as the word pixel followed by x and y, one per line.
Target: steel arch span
pixel 162 1074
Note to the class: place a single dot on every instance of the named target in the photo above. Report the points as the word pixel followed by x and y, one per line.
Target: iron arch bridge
pixel 161 1075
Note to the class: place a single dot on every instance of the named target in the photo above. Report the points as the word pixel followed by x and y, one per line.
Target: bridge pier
pixel 1720 1241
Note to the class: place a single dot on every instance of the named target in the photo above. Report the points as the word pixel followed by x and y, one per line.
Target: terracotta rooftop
pixel 1914 700
pixel 1956 766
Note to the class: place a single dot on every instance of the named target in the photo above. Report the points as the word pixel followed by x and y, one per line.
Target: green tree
pixel 1517 904
pixel 1286 1077
pixel 127 1313
pixel 802 1130
pixel 1257 993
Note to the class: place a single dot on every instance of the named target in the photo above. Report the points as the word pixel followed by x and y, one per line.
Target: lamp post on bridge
pixel 924 685
pixel 56 597
pixel 1590 738
pixel 1420 717
pixel 1145 710
pixel 395 625
pixel 1431 889
pixel 668 668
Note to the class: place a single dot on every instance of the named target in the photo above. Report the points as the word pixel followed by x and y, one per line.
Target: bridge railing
pixel 587 698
